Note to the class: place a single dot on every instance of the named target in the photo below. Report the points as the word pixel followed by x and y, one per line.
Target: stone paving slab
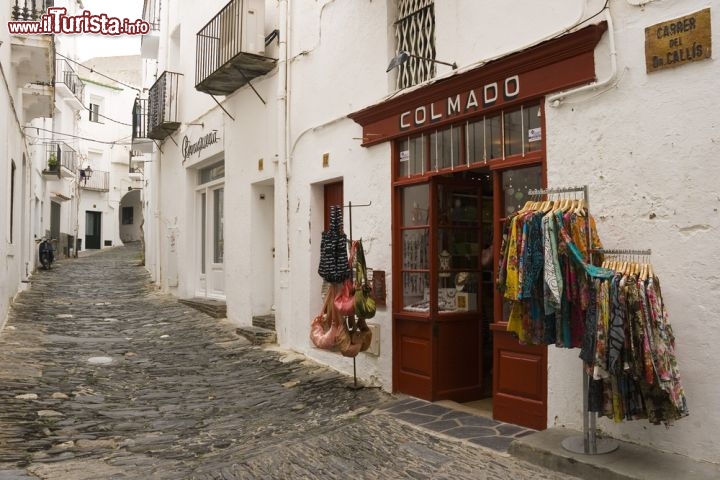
pixel 182 396
pixel 456 424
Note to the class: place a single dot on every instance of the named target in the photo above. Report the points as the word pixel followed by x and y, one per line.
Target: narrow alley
pixel 102 377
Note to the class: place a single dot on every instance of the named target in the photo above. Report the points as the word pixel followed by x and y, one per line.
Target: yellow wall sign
pixel 678 42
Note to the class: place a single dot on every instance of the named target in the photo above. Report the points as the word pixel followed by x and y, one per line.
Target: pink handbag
pixel 345 300
pixel 325 326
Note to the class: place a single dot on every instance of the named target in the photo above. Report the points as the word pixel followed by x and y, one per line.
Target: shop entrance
pixel 210 215
pixel 442 343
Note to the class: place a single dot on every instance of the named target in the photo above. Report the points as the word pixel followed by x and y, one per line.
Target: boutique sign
pixel 195 148
pixel 509 82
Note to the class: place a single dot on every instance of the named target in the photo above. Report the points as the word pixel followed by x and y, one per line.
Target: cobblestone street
pixel 103 377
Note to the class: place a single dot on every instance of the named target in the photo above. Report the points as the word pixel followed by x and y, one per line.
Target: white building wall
pixel 16 250
pixel 644 147
pixel 112 150
pixel 637 145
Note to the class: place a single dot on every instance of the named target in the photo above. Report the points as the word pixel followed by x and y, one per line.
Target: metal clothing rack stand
pixel 588 443
pixel 614 251
pixel 350 207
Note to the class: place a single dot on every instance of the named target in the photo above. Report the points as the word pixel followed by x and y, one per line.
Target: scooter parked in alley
pixel 46 252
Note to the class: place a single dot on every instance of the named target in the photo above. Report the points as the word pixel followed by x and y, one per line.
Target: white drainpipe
pixel 557 99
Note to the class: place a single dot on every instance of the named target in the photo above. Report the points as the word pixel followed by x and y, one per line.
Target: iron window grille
pixel 415 33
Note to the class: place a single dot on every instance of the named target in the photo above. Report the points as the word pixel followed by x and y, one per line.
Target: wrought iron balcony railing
pixel 30 10
pixel 98 181
pixel 61 157
pixel 162 106
pixel 230 48
pixel 65 74
pixel 151 14
pixel 140 118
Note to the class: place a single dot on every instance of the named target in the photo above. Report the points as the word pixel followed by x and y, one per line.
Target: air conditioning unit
pixel 253 26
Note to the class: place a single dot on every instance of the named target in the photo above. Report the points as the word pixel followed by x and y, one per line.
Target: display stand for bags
pixel 350 207
pixel 587 443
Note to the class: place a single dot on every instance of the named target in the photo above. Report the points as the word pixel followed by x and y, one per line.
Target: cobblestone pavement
pixel 103 377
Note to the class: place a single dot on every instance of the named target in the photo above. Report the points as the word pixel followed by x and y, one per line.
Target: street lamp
pixel 403 56
pixel 85 174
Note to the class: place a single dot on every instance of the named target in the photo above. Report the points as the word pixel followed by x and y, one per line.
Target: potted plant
pixel 52 162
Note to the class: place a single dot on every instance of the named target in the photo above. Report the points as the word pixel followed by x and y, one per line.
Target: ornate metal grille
pixel 415 32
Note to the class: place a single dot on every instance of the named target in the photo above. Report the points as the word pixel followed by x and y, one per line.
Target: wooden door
pixel 93 230
pixel 519 371
pixel 438 340
pixel 333 195
pixel 413 347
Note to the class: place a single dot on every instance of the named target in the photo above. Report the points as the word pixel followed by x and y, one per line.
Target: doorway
pixel 93 230
pixel 442 342
pixel 54 221
pixel 210 221
pixel 262 245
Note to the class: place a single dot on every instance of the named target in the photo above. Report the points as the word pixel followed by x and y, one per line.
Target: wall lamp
pixel 86 173
pixel 404 56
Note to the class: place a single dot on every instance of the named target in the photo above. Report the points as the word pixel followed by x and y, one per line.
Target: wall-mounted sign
pixel 190 149
pixel 678 42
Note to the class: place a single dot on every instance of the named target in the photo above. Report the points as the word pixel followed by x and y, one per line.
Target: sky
pixel 89 46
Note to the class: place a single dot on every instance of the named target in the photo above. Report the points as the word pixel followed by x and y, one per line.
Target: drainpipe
pixel 156 216
pixel 282 203
pixel 557 99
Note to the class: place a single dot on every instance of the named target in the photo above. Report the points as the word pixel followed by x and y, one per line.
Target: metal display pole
pixel 350 206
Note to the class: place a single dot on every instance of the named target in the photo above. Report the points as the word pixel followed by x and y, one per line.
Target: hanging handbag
pixel 364 333
pixel 325 326
pixel 347 342
pixel 333 266
pixel 345 300
pixel 364 303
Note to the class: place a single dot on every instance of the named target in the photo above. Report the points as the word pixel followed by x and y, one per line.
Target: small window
pixel 412 156
pixel 415 33
pixel 213 172
pixel 127 215
pixel 94 112
pixel 12 198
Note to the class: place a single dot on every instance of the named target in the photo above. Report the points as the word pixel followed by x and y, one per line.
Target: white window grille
pixel 415 33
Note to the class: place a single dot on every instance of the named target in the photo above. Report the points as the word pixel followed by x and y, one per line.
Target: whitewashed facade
pixel 642 142
pixel 45 105
pixel 110 188
pixel 26 63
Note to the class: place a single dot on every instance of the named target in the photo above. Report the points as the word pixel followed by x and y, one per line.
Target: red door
pixel 519 371
pixel 333 195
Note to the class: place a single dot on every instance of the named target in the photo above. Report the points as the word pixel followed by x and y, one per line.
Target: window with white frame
pixel 415 34
pixel 95 108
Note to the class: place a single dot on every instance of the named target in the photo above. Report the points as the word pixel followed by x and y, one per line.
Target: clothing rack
pixel 588 443
pixel 350 207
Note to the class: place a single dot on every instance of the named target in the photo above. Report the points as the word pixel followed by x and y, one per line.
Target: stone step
pixel 257 335
pixel 214 308
pixel 264 321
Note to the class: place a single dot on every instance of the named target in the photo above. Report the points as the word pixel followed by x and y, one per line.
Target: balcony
pixel 62 160
pixel 140 139
pixel 99 181
pixel 32 58
pixel 230 48
pixel 32 55
pixel 150 43
pixel 68 85
pixel 162 106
